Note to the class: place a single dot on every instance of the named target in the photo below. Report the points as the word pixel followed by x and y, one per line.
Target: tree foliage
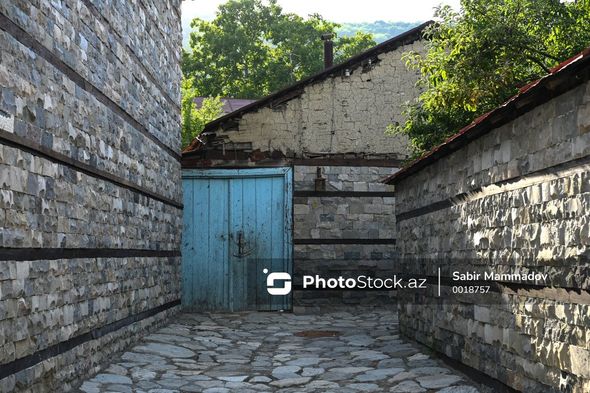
pixel 252 48
pixel 193 119
pixel 477 58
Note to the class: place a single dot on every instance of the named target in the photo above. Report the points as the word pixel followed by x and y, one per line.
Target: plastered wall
pixel 338 114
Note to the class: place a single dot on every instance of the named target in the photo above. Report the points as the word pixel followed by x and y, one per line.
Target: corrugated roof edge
pixel 562 78
pixel 408 37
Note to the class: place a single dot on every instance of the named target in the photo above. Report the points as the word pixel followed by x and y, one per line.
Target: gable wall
pixel 340 114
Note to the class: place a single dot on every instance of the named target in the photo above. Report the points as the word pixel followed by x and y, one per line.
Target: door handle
pixel 242 251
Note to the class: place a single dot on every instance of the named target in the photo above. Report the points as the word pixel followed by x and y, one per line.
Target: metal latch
pixel 242 250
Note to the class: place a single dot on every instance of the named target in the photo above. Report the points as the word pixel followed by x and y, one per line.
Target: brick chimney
pixel 328 50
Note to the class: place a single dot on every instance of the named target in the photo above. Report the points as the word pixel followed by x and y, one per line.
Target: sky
pixel 335 10
pixel 341 11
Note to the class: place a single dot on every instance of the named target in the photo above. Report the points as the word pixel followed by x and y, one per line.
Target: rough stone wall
pixel 519 200
pixel 340 122
pixel 358 210
pixel 337 123
pixel 344 178
pixel 90 197
pixel 344 217
pixel 338 114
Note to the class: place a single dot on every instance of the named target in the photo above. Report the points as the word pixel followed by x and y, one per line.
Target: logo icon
pixel 278 290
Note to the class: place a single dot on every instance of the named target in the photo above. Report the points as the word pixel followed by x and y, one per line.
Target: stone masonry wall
pixel 334 219
pixel 523 207
pixel 336 122
pixel 90 197
pixel 343 114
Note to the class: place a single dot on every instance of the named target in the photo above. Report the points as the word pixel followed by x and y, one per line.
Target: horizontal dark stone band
pixel 353 161
pixel 34 148
pixel 62 347
pixel 343 194
pixel 234 158
pixel 433 207
pixel 27 40
pixel 495 286
pixel 98 15
pixel 344 241
pixel 463 197
pixel 495 385
pixel 33 254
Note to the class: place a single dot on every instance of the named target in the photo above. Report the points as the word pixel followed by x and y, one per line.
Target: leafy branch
pixel 477 58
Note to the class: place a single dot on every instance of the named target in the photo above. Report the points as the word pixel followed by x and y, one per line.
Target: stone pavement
pixel 273 352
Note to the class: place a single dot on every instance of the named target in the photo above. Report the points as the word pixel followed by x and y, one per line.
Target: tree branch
pixel 539 63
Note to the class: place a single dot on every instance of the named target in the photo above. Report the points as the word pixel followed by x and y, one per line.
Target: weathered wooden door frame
pixel 233 173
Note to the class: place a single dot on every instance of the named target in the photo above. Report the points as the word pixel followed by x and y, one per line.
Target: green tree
pixel 193 120
pixel 252 48
pixel 477 58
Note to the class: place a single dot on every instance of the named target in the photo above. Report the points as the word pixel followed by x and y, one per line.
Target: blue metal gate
pixel 237 230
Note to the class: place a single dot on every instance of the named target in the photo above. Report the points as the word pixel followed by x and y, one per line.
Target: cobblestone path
pixel 272 352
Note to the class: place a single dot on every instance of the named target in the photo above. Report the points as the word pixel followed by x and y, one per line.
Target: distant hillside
pixel 381 30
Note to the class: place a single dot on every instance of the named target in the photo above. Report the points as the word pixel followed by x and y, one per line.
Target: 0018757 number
pixel 471 288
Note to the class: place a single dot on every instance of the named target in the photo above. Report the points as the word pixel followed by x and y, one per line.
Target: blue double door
pixel 237 231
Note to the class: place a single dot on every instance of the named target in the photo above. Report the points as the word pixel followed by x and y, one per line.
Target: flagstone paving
pixel 274 352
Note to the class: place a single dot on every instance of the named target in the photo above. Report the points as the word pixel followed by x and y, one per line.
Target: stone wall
pixel 90 196
pixel 336 121
pixel 337 217
pixel 515 200
pixel 335 115
pixel 347 231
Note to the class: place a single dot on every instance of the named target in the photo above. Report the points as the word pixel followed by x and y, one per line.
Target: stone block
pixel 580 361
pixel 301 209
pixel 482 314
pixel 360 186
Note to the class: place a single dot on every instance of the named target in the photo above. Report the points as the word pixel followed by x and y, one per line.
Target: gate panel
pixel 216 294
pixel 237 223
